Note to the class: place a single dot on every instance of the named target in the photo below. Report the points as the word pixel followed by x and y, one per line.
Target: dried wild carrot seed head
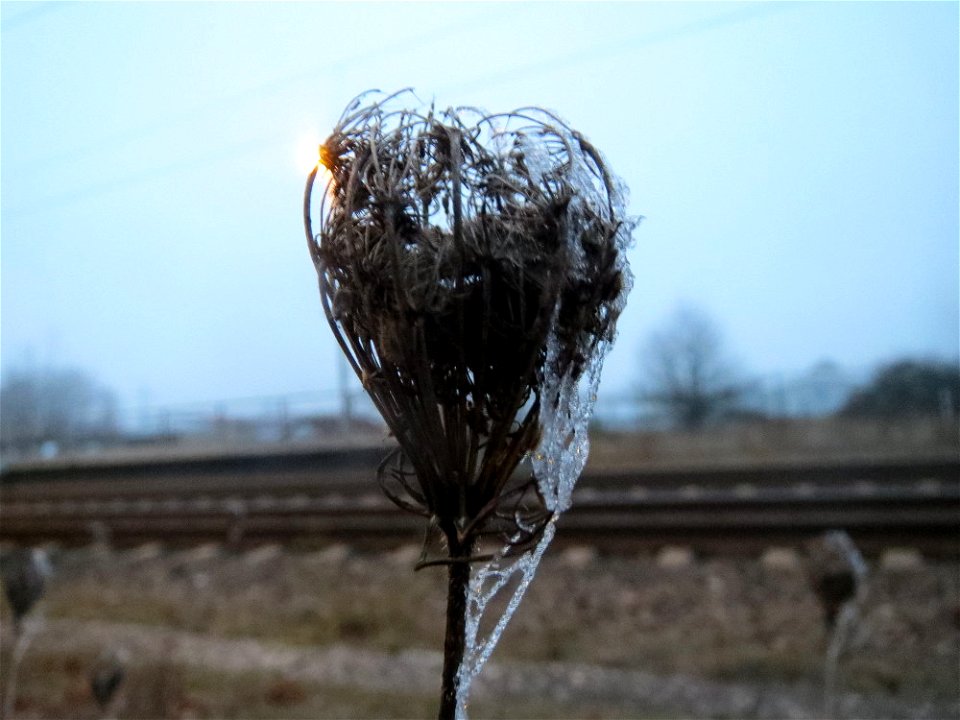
pixel 464 260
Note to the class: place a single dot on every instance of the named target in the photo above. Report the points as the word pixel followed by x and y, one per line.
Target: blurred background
pixel 794 326
pixel 796 166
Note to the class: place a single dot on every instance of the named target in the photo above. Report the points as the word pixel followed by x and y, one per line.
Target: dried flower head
pixel 464 259
pixel 24 572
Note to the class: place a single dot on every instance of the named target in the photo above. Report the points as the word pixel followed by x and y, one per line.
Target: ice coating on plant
pixel 842 543
pixel 472 268
pixel 487 582
pixel 557 461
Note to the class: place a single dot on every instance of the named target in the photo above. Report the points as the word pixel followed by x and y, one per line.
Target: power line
pixel 232 150
pixel 34 11
pixel 554 64
pixel 272 86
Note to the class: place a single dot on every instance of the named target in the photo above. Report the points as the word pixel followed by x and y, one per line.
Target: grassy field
pixel 718 620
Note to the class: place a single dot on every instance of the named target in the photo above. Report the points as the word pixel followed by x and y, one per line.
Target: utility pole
pixel 346 397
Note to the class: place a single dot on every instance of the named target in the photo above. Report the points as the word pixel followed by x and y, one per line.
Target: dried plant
pixel 24 572
pixel 464 261
pixel 838 576
pixel 107 675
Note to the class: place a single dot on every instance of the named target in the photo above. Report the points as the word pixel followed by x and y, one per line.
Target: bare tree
pixel 686 371
pixel 62 405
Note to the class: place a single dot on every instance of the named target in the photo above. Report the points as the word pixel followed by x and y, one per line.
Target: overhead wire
pixel 34 11
pixel 237 149
pixel 272 86
pixel 609 49
pixel 233 150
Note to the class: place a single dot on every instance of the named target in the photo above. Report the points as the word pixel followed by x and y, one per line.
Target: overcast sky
pixel 797 166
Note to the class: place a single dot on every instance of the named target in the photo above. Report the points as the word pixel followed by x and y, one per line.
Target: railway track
pixel 324 495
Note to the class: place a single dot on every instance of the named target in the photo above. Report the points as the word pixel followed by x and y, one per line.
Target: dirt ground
pixel 334 632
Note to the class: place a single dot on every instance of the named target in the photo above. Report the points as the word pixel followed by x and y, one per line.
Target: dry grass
pixel 719 618
pixel 56 685
pixel 781 441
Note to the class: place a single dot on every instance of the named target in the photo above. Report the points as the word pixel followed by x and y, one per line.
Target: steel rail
pixel 352 470
pixel 924 514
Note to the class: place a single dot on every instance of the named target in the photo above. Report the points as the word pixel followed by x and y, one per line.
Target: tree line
pixel 62 406
pixel 688 375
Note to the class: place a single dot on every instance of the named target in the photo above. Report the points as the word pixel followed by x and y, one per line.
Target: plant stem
pixel 458 583
pixel 23 630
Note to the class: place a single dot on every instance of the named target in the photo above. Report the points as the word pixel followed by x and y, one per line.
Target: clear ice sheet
pixel 567 405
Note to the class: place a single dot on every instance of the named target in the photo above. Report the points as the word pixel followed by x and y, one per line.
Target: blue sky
pixel 797 166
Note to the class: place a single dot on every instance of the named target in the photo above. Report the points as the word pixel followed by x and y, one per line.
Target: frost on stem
pixel 472 268
pixel 838 574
